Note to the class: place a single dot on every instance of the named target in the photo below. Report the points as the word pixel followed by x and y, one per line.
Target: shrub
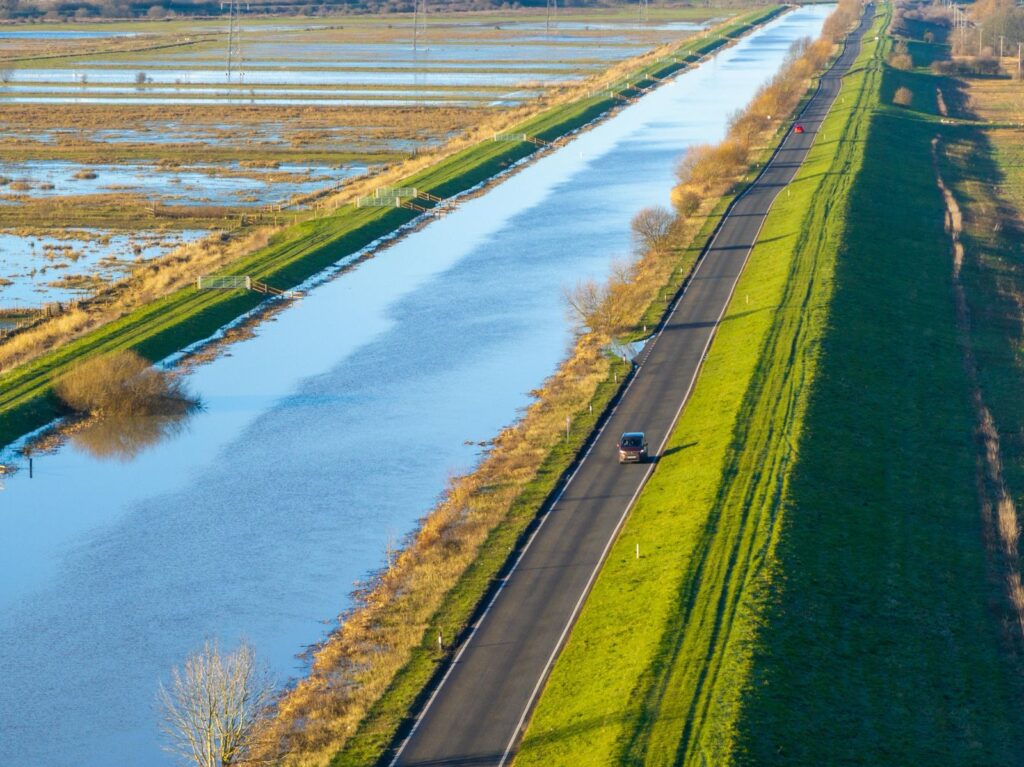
pixel 651 227
pixel 901 61
pixel 122 383
pixel 903 97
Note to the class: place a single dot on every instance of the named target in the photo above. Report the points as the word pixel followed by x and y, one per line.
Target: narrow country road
pixel 478 711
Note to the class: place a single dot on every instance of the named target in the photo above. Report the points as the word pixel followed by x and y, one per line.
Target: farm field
pixel 146 128
pixel 818 582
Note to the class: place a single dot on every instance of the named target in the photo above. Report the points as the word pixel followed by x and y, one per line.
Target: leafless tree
pixel 651 227
pixel 6 75
pixel 211 708
pixel 602 309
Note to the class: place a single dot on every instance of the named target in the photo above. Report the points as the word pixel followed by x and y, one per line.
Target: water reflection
pixel 124 437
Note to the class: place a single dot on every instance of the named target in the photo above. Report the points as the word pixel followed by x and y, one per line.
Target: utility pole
pixel 979 39
pixel 418 17
pixel 234 38
pixel 551 15
pixel 1001 49
pixel 1018 59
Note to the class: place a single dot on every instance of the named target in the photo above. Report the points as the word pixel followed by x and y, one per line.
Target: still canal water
pixel 323 436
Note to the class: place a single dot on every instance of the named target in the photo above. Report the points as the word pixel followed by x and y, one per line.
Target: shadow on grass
pixel 882 541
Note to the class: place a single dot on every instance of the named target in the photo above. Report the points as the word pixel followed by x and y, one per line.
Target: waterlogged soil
pixel 66 265
pixel 518 58
pixel 324 436
pixel 228 185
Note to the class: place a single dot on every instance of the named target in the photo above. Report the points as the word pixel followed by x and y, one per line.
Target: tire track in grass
pixel 734 546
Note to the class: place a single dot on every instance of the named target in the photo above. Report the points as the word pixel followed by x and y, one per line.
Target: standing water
pixel 323 437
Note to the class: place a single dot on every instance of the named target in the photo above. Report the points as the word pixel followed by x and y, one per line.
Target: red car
pixel 798 128
pixel 632 447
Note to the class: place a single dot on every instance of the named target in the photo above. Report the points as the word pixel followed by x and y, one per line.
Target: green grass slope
pixel 882 640
pixel 655 664
pixel 813 587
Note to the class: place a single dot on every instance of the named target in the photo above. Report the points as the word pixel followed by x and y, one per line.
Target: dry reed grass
pixel 121 383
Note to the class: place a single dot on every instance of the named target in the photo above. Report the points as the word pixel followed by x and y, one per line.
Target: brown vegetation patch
pixel 124 384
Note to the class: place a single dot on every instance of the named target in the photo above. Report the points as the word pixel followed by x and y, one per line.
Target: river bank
pixel 330 431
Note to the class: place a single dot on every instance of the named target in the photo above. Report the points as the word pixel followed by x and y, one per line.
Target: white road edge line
pixel 643 480
pixel 682 405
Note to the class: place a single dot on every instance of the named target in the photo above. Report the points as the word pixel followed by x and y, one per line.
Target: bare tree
pixel 584 302
pixel 213 705
pixel 6 75
pixel 651 227
pixel 602 309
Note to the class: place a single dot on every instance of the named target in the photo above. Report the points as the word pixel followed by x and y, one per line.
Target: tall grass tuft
pixel 122 383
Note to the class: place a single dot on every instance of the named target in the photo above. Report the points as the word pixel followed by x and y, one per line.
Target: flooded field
pixel 108 118
pixel 461 52
pixel 38 269
pixel 321 438
pixel 230 184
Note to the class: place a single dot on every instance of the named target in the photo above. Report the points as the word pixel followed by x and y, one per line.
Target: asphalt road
pixel 478 711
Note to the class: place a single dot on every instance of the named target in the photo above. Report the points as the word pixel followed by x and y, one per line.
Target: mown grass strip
pixel 187 316
pixel 882 639
pixel 656 663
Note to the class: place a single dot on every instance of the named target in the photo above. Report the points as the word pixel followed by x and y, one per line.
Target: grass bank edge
pixel 185 317
pixel 585 714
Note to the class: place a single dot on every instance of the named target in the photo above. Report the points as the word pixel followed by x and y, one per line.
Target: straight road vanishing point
pixel 478 711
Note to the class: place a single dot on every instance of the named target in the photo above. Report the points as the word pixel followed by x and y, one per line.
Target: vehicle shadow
pixel 671 451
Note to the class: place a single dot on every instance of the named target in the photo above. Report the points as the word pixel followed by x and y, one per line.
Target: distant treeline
pixel 53 10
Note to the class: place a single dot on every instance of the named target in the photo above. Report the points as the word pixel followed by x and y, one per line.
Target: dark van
pixel 632 447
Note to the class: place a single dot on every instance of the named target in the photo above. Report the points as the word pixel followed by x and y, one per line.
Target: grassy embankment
pixel 813 587
pixel 655 627
pixel 901 644
pixel 186 316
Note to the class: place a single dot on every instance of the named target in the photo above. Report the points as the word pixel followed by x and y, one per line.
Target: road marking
pixel 686 397
pixel 607 419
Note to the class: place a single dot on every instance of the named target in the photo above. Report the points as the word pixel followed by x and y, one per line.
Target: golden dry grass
pixel 122 384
